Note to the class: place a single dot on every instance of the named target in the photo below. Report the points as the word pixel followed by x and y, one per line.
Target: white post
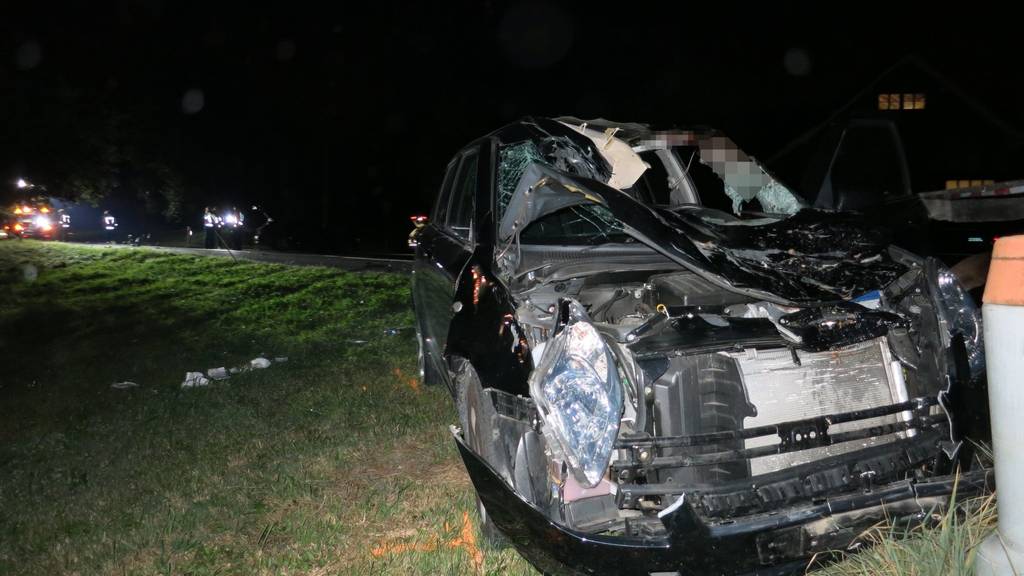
pixel 1002 553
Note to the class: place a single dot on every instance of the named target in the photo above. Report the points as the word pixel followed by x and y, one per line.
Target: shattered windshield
pixel 722 178
pixel 590 224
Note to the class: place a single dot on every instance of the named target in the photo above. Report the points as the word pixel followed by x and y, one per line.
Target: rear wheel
pixel 479 420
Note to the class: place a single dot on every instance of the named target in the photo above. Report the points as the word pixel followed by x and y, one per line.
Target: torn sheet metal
pixel 627 166
pixel 840 325
pixel 810 257
pixel 541 190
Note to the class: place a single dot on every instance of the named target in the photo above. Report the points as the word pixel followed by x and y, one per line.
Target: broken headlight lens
pixel 959 315
pixel 577 390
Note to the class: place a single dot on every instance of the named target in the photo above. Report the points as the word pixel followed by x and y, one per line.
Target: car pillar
pixel 1002 553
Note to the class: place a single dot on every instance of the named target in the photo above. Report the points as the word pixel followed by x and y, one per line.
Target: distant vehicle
pixel 664 362
pixel 32 219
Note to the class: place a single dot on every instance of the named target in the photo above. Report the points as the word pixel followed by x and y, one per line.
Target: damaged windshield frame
pixel 741 178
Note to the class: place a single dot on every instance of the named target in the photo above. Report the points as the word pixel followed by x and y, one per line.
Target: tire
pixel 478 419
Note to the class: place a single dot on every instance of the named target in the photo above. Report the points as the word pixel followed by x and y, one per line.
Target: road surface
pixel 352 263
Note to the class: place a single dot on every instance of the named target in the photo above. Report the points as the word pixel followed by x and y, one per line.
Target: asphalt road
pixel 352 263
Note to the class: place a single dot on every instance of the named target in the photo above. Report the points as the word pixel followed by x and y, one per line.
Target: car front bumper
pixel 779 542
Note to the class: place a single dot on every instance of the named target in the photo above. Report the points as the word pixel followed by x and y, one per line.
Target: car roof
pixel 630 132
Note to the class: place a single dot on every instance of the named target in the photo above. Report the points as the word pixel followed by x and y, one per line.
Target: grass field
pixel 335 462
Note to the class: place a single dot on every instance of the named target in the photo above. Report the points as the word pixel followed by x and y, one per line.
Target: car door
pixel 445 247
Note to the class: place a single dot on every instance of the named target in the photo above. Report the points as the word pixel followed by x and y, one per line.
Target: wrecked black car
pixel 665 363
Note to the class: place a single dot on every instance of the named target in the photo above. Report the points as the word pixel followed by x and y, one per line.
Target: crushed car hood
pixel 812 257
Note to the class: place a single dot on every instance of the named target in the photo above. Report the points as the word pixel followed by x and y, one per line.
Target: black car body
pixel 653 378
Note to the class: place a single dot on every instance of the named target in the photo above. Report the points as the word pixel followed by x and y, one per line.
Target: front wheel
pixel 479 422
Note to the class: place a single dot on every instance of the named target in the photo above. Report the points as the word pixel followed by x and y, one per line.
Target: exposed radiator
pixel 856 377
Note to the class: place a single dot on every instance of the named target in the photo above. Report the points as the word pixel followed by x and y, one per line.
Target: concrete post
pixel 1002 553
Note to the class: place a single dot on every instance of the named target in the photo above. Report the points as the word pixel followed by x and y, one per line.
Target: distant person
pixel 109 225
pixel 209 228
pixel 65 224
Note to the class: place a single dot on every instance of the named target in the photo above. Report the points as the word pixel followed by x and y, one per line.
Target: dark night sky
pixel 300 101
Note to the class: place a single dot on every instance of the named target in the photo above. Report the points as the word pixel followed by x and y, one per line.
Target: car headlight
pixel 958 314
pixel 577 391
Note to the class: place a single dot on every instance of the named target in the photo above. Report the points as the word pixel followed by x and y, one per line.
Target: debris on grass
pixel 193 379
pixel 124 385
pixel 218 373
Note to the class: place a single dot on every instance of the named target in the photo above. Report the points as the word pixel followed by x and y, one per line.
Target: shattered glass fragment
pixel 565 155
pixel 777 199
pixel 512 162
pixel 737 199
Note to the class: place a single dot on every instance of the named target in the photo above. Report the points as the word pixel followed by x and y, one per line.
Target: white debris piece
pixel 124 385
pixel 217 373
pixel 627 166
pixel 259 363
pixel 193 379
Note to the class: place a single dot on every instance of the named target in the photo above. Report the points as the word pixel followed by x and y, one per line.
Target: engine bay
pixel 716 400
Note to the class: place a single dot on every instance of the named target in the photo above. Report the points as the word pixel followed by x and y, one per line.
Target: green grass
pixel 336 462
pixel 948 547
pixel 302 468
